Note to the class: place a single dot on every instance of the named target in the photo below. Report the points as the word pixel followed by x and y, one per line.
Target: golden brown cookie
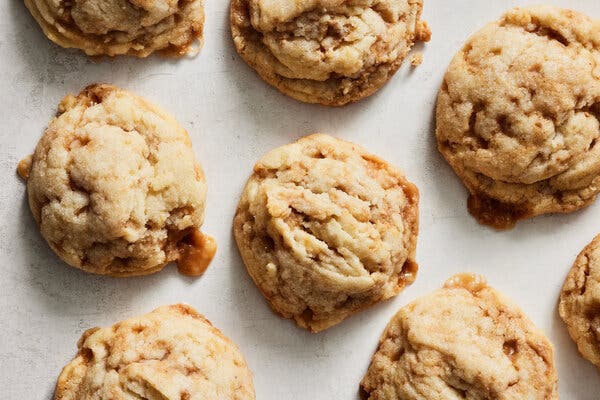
pixel 115 189
pixel 464 341
pixel 326 229
pixel 579 303
pixel 172 353
pixel 518 115
pixel 330 52
pixel 115 27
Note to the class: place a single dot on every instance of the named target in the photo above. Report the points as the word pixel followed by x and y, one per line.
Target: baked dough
pixel 115 189
pixel 115 27
pixel 518 115
pixel 464 341
pixel 326 51
pixel 172 353
pixel 579 303
pixel 326 229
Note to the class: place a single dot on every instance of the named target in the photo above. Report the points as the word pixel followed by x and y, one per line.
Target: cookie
pixel 331 52
pixel 464 341
pixel 115 189
pixel 114 27
pixel 326 229
pixel 172 353
pixel 518 115
pixel 579 304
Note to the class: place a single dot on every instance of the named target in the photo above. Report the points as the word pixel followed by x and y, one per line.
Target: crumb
pixel 416 59
pixel 423 32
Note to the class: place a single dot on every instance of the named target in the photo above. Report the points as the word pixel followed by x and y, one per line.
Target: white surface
pixel 233 118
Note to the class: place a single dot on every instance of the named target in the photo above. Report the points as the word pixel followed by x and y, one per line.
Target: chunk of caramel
pixel 196 252
pixel 24 167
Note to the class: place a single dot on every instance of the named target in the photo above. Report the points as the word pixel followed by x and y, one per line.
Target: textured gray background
pixel 233 118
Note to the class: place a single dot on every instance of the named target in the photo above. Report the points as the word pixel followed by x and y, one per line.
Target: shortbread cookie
pixel 172 353
pixel 326 229
pixel 326 51
pixel 115 189
pixel 115 27
pixel 464 341
pixel 518 115
pixel 579 303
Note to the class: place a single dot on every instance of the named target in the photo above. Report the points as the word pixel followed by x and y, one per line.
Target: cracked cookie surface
pixel 579 304
pixel 115 27
pixel 326 229
pixel 326 51
pixel 518 115
pixel 464 341
pixel 115 189
pixel 172 353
